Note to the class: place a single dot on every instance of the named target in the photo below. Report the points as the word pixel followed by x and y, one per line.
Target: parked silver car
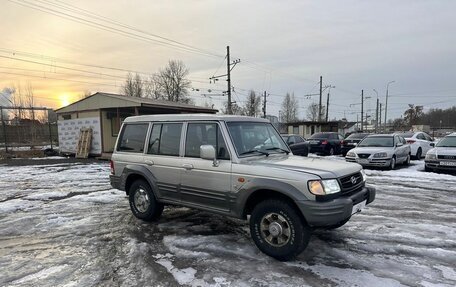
pixel 381 151
pixel 443 156
pixel 235 166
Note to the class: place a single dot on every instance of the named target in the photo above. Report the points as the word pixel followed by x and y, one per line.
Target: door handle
pixel 187 166
pixel 149 162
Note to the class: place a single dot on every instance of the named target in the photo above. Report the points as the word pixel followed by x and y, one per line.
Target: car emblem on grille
pixel 353 179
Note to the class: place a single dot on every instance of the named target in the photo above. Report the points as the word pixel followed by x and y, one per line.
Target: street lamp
pixel 376 113
pixel 386 103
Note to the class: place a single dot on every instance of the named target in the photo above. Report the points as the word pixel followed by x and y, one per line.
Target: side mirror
pixel 208 152
pixel 432 144
pixel 399 144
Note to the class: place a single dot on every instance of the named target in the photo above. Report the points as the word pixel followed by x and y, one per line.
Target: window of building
pixel 165 139
pixel 199 134
pixel 66 117
pixel 296 130
pixel 132 138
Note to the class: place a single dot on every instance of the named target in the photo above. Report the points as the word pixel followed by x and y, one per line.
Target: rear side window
pixel 199 134
pixel 132 138
pixel 165 139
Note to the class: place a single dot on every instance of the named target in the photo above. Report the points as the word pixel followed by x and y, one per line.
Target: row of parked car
pixel 380 150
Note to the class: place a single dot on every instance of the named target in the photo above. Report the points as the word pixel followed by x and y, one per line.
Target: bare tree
pixel 173 83
pixel 152 88
pixel 235 109
pixel 252 105
pixel 312 112
pixel 133 86
pixel 289 109
pixel 84 94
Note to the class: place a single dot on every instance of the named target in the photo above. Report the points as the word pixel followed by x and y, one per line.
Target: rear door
pixel 204 184
pixel 163 158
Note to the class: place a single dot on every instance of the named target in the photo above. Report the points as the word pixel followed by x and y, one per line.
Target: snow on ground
pixel 61 224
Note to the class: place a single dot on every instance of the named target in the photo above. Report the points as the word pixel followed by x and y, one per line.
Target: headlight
pixel 363 174
pixel 351 154
pixel 380 154
pixel 431 156
pixel 323 187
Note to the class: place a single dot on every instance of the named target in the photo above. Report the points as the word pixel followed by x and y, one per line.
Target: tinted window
pixel 299 139
pixel 320 136
pixel 133 137
pixel 199 134
pixel 165 139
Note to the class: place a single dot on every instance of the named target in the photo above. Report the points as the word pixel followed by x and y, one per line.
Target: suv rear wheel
pixel 278 230
pixel 143 203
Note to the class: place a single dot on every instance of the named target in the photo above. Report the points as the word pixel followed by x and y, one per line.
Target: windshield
pixel 252 138
pixel 447 142
pixel 320 136
pixel 377 141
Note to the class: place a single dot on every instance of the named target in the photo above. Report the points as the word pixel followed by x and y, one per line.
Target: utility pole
pixel 386 103
pixel 362 108
pixel 327 107
pixel 380 116
pixel 321 94
pixel 264 105
pixel 229 66
pixel 376 117
pixel 228 73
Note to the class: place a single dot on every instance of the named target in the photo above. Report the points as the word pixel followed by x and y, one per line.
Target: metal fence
pixel 27 128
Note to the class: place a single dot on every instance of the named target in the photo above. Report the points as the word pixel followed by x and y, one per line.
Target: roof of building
pixel 194 117
pixel 101 100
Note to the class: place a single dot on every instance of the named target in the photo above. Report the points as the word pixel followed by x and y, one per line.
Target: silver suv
pixel 239 167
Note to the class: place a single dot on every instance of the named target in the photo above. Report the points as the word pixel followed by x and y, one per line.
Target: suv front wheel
pixel 278 230
pixel 143 203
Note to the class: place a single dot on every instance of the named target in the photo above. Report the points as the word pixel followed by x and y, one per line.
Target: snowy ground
pixel 61 224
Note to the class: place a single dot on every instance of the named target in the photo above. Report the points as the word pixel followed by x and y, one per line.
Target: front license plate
pixel 358 207
pixel 448 163
pixel 363 160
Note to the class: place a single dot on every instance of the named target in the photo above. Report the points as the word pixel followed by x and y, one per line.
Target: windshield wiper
pixel 255 150
pixel 278 148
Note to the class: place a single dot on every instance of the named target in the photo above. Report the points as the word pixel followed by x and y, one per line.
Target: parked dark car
pixel 351 141
pixel 326 143
pixel 297 144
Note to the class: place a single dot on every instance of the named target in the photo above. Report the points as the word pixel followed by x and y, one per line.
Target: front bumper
pixel 380 162
pixel 436 164
pixel 327 213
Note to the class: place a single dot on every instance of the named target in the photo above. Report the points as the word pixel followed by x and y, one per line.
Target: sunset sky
pixel 284 46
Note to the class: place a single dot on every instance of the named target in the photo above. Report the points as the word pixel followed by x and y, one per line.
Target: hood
pixel 443 150
pixel 372 150
pixel 318 166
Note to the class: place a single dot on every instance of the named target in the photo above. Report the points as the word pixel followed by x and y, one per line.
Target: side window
pixel 165 139
pixel 299 139
pixel 420 137
pixel 199 134
pixel 428 137
pixel 132 138
pixel 403 140
pixel 396 140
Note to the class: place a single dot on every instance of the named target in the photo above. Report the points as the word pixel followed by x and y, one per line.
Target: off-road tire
pixel 153 210
pixel 299 231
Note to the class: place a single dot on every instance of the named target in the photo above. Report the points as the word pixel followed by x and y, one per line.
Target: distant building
pixel 421 128
pixel 104 113
pixel 308 128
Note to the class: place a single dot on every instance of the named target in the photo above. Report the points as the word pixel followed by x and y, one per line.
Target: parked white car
pixel 420 143
pixel 380 151
pixel 443 156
